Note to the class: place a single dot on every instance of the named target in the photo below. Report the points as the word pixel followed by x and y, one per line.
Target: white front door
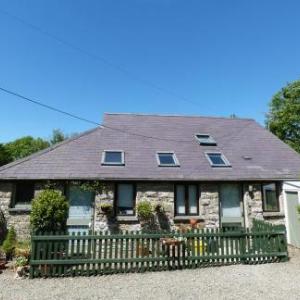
pixel 80 210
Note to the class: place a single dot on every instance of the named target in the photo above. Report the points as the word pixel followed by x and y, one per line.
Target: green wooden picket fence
pixel 100 253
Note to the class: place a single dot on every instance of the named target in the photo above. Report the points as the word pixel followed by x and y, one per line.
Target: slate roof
pixel 80 157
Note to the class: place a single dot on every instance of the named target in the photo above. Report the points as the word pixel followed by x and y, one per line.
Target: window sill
pixel 127 218
pixel 20 209
pixel 187 218
pixel 273 214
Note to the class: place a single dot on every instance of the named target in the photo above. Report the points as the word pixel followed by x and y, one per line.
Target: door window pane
pixel 270 197
pixel 230 200
pixel 80 203
pixel 180 199
pixel 125 201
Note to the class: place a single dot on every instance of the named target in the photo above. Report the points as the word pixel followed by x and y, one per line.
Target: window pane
pixel 180 203
pixel 230 200
pixel 270 197
pixel 216 159
pixel 166 158
pixel 205 139
pixel 113 157
pixel 125 199
pixel 24 192
pixel 193 199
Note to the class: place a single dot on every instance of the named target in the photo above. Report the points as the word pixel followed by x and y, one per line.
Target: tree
pixel 57 136
pixel 5 156
pixel 283 118
pixel 25 146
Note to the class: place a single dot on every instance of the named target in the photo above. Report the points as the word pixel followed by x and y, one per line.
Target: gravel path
pixel 268 281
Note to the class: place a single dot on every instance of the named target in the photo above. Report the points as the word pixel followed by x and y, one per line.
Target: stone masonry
pixel 159 193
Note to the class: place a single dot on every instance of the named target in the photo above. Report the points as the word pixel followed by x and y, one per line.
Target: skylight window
pixel 113 157
pixel 205 139
pixel 217 159
pixel 167 159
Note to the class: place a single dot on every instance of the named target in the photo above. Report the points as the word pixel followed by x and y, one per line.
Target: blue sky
pixel 223 56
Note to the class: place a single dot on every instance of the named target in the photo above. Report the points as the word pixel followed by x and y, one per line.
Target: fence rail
pixel 60 254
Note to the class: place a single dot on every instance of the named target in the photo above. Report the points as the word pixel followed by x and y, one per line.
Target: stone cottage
pixel 217 171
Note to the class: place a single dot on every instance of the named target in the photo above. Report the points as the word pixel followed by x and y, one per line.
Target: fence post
pixel 32 256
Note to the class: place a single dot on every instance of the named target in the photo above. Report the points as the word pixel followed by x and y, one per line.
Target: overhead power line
pixel 39 103
pixel 47 106
pixel 101 59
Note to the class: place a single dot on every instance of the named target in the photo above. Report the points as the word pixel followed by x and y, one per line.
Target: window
pixel 113 157
pixel 205 139
pixel 186 200
pixel 167 159
pixel 125 199
pixel 24 193
pixel 217 159
pixel 270 197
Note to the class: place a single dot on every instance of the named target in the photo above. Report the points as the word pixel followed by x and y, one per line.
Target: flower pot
pixel 193 222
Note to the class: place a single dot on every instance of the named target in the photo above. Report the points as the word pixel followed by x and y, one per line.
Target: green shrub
pixel 9 243
pixel 144 210
pixel 23 248
pixel 49 211
pixel 21 261
pixel 3 230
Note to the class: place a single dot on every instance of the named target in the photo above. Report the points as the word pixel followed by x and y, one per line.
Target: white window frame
pixel 226 161
pixel 104 163
pixel 167 165
pixel 210 140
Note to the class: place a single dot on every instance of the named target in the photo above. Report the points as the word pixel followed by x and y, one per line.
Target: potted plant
pixel 106 208
pixel 21 266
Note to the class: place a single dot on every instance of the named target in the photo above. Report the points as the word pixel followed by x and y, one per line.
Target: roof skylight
pixel 217 159
pixel 167 159
pixel 113 157
pixel 205 139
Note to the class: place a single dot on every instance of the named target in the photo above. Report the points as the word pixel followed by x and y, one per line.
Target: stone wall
pixel 158 194
pixel 209 205
pixel 18 219
pixel 161 194
pixel 253 205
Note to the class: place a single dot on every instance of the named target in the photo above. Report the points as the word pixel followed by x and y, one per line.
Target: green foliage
pixel 298 209
pixel 144 210
pixel 25 146
pixel 95 186
pixel 21 261
pixel 9 243
pixel 57 136
pixel 23 248
pixel 49 211
pixel 107 208
pixel 5 156
pixel 3 228
pixel 283 118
